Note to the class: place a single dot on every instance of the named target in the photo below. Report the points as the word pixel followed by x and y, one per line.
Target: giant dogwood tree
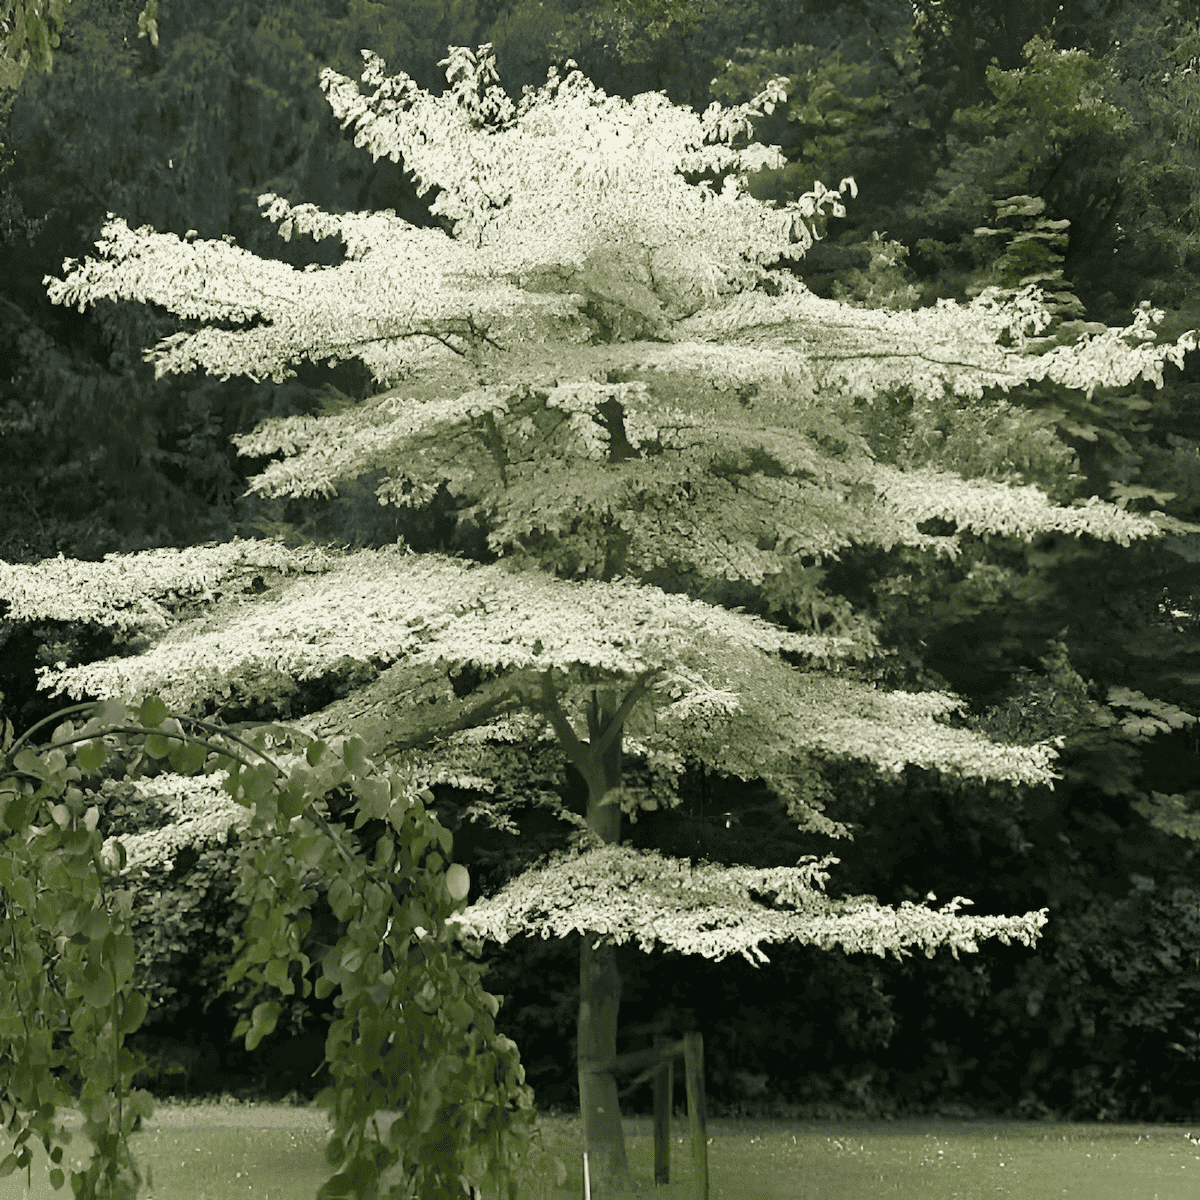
pixel 629 410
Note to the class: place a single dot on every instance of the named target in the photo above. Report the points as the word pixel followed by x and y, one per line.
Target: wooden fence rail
pixel 660 1064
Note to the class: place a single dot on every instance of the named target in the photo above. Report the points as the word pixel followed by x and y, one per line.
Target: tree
pixel 619 39
pixel 31 30
pixel 614 492
pixel 414 1033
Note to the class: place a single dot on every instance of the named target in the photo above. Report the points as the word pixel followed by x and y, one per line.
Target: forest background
pixel 941 112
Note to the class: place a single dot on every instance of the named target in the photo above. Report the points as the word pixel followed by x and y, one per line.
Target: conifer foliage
pixel 602 372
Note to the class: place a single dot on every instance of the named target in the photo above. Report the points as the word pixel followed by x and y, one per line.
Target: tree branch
pixel 584 757
pixel 613 729
pixel 507 697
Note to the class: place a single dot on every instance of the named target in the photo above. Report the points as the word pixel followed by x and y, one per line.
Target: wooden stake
pixel 693 1060
pixel 663 1095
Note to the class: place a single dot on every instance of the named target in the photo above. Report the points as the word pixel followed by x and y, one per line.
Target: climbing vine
pixel 416 1032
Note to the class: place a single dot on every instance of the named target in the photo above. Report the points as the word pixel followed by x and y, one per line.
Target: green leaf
pixel 186 758
pixel 151 712
pixel 276 974
pixel 112 712
pixel 91 756
pixel 262 1023
pixel 340 897
pixel 458 881
pixel 293 799
pixel 96 986
pixel 118 851
pixel 258 781
pixel 354 755
pixel 31 763
pixel 385 851
pixel 375 798
pixel 461 1014
pixel 431 1103
pixel 133 1013
pixel 18 812
pixel 1170 813
pixel 158 746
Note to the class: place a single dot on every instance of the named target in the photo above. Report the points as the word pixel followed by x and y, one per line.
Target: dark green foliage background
pixel 940 122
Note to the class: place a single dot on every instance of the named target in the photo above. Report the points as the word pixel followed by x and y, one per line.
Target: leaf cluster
pixel 404 996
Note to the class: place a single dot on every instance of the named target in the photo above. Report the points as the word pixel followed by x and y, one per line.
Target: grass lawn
pixel 229 1150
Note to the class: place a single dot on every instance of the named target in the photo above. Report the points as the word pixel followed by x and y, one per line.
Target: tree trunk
pixel 600 995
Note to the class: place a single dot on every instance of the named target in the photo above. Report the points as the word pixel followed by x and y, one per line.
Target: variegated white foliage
pixel 125 590
pixel 518 213
pixel 203 814
pixel 570 170
pixel 531 241
pixel 828 346
pixel 405 290
pixel 621 894
pixel 370 307
pixel 390 603
pixel 422 444
pixel 988 506
pixel 719 690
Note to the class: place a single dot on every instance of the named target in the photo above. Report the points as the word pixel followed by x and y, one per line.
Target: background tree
pixel 1136 445
pixel 575 453
pixel 31 30
pixel 178 136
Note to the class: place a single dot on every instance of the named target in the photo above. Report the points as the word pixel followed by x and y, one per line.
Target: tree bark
pixel 600 993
